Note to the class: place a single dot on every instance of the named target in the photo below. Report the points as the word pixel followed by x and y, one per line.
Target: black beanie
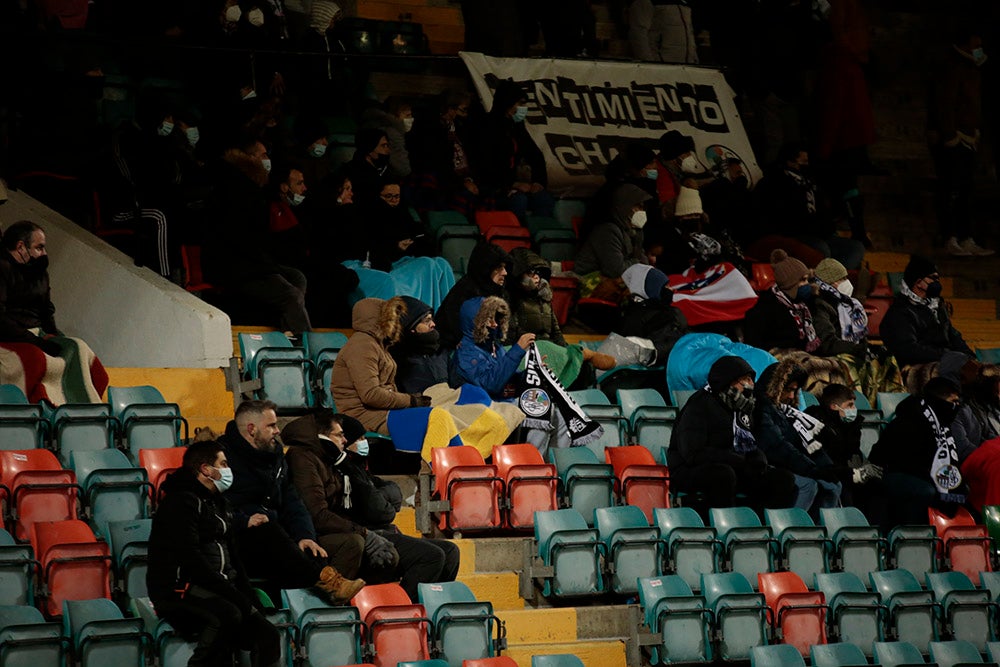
pixel 367 138
pixel 353 430
pixel 673 144
pixel 506 95
pixel 637 155
pixel 726 370
pixel 415 311
pixel 310 129
pixel 918 268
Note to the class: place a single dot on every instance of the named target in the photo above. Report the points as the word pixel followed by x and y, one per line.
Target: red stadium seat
pixel 194 279
pixel 471 487
pixel 74 565
pixel 799 614
pixel 639 479
pixel 35 488
pixel 508 237
pixel 530 484
pixel 564 293
pixel 397 628
pixel 965 544
pixel 875 307
pixel 485 220
pixel 499 661
pixel 762 276
pixel 158 464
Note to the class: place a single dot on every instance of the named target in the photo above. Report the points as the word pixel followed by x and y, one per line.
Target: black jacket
pixel 769 325
pixel 907 444
pixel 484 258
pixel 826 320
pixel 502 148
pixel 843 439
pixel 704 434
pixel 25 301
pixel 781 443
pixel 661 323
pixel 262 485
pixel 914 336
pixel 420 362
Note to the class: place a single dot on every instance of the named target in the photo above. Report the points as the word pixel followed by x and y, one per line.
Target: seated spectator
pixel 274 533
pixel 648 313
pixel 793 440
pixel 690 239
pixel 369 169
pixel 45 363
pixel 613 246
pixel 675 160
pixel 395 119
pixel 395 234
pixel 312 141
pixel 983 398
pixel 635 164
pixel 480 357
pixel 486 276
pixel 420 360
pixel 712 449
pixel 728 198
pixel 919 455
pixel 531 299
pixel 289 244
pixel 364 375
pixel 195 578
pixel 327 453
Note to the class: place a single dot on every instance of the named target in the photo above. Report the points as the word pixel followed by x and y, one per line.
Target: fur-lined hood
pixel 476 314
pixel 776 377
pixel 247 165
pixel 380 319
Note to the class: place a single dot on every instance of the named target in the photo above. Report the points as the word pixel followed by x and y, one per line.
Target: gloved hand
pixel 420 401
pixel 49 347
pixel 379 550
pixel 866 473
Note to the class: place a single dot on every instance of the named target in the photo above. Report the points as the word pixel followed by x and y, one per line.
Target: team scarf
pixel 803 319
pixel 807 426
pixel 853 318
pixel 540 392
pixel 944 468
pixel 924 301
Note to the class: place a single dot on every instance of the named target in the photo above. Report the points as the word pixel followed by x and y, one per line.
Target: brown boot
pixel 337 586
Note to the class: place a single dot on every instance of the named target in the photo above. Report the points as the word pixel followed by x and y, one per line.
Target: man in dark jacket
pixel 195 578
pixel 712 450
pixel 487 274
pixel 916 328
pixel 420 361
pixel 274 531
pixel 25 300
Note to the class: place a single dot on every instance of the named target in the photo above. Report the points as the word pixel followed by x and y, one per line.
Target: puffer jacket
pixel 363 378
pixel 480 359
pixel 531 310
pixel 483 259
pixel 615 245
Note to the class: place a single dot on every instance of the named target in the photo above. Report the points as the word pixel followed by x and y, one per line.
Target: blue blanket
pixel 426 278
pixel 693 356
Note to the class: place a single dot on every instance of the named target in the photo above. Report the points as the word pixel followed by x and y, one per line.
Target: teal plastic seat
pixel 861 401
pixel 692 549
pixel 540 223
pixel 113 489
pixel 587 483
pixel 741 616
pixel 896 654
pixel 913 612
pixel 556 245
pixel 283 369
pixel 747 544
pixel 101 636
pixel 26 640
pixel 671 610
pixel 776 655
pixel 130 553
pixel 857 615
pixel 146 420
pixel 561 660
pixel 856 546
pixel 464 628
pixel 809 399
pixel 170 649
pixel 954 653
pixel 836 655
pixel 17 567
pixel 437 220
pixel 322 350
pixel 991 581
pixel 574 552
pixel 84 427
pixel 650 419
pixel 567 209
pixel 681 396
pixel 633 546
pixel 433 662
pixel 457 243
pixel 22 424
pixel 968 613
pixel 871 431
pixel 323 630
pixel 800 545
pixel 887 402
pixel 615 431
pixel 993 651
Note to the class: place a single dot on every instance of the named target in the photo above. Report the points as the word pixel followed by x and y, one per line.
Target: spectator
pixel 480 358
pixel 312 141
pixel 328 458
pixel 274 533
pixel 395 234
pixel 712 450
pixel 675 161
pixel 662 31
pixel 691 240
pixel 195 578
pixel 395 119
pixel 635 164
pixel 983 398
pixel 613 246
pixel 648 312
pixel 369 169
pixel 364 375
pixel 420 360
pixel 531 299
pixel 289 243
pixel 781 317
pixel 486 276
pixel 28 327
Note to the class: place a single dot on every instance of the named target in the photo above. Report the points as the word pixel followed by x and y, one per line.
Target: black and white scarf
pixel 944 470
pixel 540 391
pixel 925 301
pixel 852 315
pixel 807 426
pixel 802 317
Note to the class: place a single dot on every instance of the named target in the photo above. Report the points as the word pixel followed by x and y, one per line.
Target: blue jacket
pixel 480 358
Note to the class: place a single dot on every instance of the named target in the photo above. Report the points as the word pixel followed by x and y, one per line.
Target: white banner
pixel 582 112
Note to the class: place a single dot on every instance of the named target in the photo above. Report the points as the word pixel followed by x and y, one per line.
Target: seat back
pixel 894 654
pixel 633 546
pixel 966 544
pixel 887 402
pixel 281 368
pixel 113 489
pixel 486 220
pixel 463 626
pixel 746 543
pixel 633 401
pixel 642 482
pixel 692 549
pixel 498 661
pixel 21 423
pixel 587 484
pixel 121 398
pixel 40 490
pixel 398 633
pixel 159 463
pixel 531 484
pixel 913 615
pixel 560 660
pixel 129 550
pixel 322 349
pixel 472 487
pixel 100 635
pixel 836 655
pixel 956 652
pixel 799 614
pixel 379 595
pixel 776 655
pixel 75 566
pixel 323 630
pixel 26 640
pixel 856 545
pixel 740 613
pixel 681 396
pixel 574 551
pixel 857 613
pixel 588 397
pixel 146 420
pixel 82 427
pixel 966 609
pixel 17 569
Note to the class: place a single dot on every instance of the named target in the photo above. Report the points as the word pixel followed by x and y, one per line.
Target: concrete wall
pixel 130 316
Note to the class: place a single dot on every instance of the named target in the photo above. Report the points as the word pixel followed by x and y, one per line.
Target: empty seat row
pixel 887 654
pixel 292 377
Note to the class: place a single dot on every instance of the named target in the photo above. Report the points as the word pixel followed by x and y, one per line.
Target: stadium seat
pixel 566 210
pixel 35 488
pixel 741 616
pixel 966 612
pixel 158 464
pixel 799 614
pixel 991 517
pixel 650 419
pixel 101 636
pixel 836 655
pixel 800 545
pixel 913 548
pixel 147 421
pixel 587 398
pixel 681 619
pixel 26 640
pixel 397 629
pixel 457 244
pixel 681 396
pixel 993 651
pixel 73 564
pixel 888 401
pixel 897 654
pixel 691 548
pixel 861 402
pixel 747 545
pixel 565 291
pixel 634 548
pixel 437 220
pixel 608 416
pixel 876 308
pixel 129 542
pixel 912 611
pixel 776 655
pixel 530 484
pixel 82 427
pixel 463 627
pixel 486 220
pixel 471 487
pixel 22 424
pixel 433 662
pixel 509 237
pixel 539 223
pixel 573 551
pixel 640 480
pixel 855 614
pixel 809 399
pixel 965 544
pixel 17 570
pixel 194 275
pixel 113 490
pixel 322 349
pixel 587 484
pixel 954 653
pixel 323 630
pixel 499 661
pixel 560 660
pixel 556 245
pixel 856 546
pixel 991 582
pixel 761 276
pixel 284 370
pixel 170 649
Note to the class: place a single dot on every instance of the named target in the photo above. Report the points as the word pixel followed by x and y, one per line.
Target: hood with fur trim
pixel 250 167
pixel 476 314
pixel 777 376
pixel 380 319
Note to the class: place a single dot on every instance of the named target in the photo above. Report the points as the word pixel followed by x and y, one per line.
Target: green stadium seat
pixel 146 420
pixel 887 402
pixel 322 350
pixel 556 245
pixel 634 548
pixel 82 427
pixel 323 630
pixel 993 651
pixel 22 424
pixel 539 223
pixel 800 545
pixel 574 551
pixel 776 655
pixel 913 548
pixel 464 628
pixel 561 660
pixel 284 370
pixel 681 396
pixel 566 210
pixel 113 490
pixel 129 553
pixel 434 662
pixel 799 615
pixel 17 569
pixel 836 655
pixel 954 653
pixel 748 546
pixel 897 654
pixel 650 419
pixel 101 636
pixel 457 244
pixel 809 399
pixel 27 640
pixel 692 549
pixel 856 614
pixel 856 546
pixel 861 401
pixel 170 649
pixel 671 610
pixel 968 613
pixel 438 220
pixel 913 613
pixel 587 484
pixel 741 616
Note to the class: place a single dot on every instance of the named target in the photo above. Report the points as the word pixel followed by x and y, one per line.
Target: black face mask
pixel 934 290
pixel 36 265
pixel 946 411
pixel 425 343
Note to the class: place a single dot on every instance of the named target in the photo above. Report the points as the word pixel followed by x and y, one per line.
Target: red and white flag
pixel 719 294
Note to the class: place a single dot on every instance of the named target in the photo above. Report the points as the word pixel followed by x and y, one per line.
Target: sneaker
pixel 337 586
pixel 976 250
pixel 955 249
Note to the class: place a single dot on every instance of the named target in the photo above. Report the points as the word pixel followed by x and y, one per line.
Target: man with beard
pixel 420 361
pixel 488 267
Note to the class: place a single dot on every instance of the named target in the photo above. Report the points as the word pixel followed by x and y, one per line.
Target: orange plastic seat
pixel 965 545
pixel 799 614
pixel 499 661
pixel 640 480
pixel 509 237
pixel 486 220
pixel 530 484
pixel 158 464
pixel 565 290
pixel 762 276
pixel 35 488
pixel 74 565
pixel 397 628
pixel 471 487
pixel 876 308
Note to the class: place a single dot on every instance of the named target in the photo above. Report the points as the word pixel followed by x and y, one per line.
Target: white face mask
pixel 846 288
pixel 233 13
pixel 225 480
pixel 266 163
pixel 639 219
pixel 249 96
pixel 689 165
pixel 361 447
pixel 408 124
pixel 295 199
pixel 256 17
pixel 166 127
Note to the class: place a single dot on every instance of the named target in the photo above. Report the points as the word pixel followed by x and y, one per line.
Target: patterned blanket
pixel 75 376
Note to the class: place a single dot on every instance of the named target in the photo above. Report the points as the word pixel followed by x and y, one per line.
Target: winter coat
pixel 480 358
pixel 659 322
pixel 981 471
pixel 476 282
pixel 395 133
pixel 432 151
pixel 843 439
pixel 25 301
pixel 703 434
pixel 420 361
pixel 531 310
pixel 615 245
pixel 907 444
pixel 826 321
pixel 366 179
pixel 503 148
pixel 262 485
pixel 769 325
pixel 913 334
pixel 364 375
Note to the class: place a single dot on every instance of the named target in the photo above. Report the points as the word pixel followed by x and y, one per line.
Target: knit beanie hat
pixel 415 311
pixel 637 155
pixel 726 370
pixel 645 281
pixel 353 430
pixel 688 203
pixel 673 143
pixel 321 13
pixel 787 270
pixel 830 271
pixel 506 95
pixel 919 267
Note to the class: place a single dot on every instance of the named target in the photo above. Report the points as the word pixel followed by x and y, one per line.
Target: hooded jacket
pixel 615 245
pixel 531 310
pixel 363 380
pixel 915 334
pixel 420 361
pixel 395 133
pixel 769 325
pixel 480 358
pixel 476 282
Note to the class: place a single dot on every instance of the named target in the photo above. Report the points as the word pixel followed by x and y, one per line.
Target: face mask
pixel 192 136
pixel 739 399
pixel 934 290
pixel 850 414
pixel 846 288
pixel 362 447
pixel 38 263
pixel 249 96
pixel 317 150
pixel 804 293
pixel 225 481
pixel 407 124
pixel 165 128
pixel 639 219
pixel 295 199
pixel 979 56
pixel 233 13
pixel 651 174
pixel 255 17
pixel 520 114
pixel 689 165
pixel 266 163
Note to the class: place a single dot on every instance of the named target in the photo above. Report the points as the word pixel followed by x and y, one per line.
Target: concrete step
pixel 500 588
pixel 974 309
pixel 595 653
pixel 540 626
